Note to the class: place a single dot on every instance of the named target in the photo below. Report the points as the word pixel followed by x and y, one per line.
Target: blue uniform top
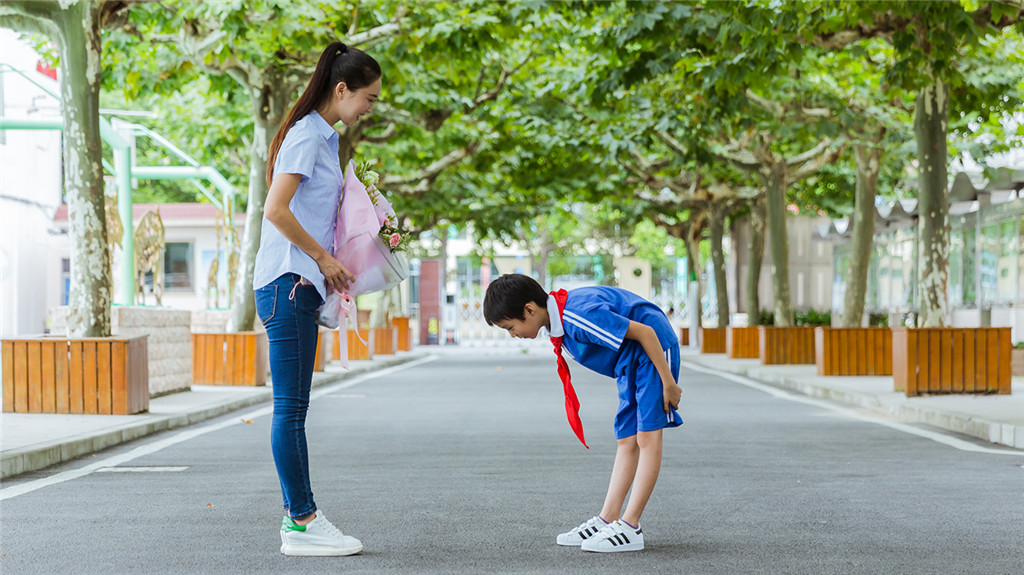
pixel 594 322
pixel 310 149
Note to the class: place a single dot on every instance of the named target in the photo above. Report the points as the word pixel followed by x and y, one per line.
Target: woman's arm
pixel 277 212
pixel 648 339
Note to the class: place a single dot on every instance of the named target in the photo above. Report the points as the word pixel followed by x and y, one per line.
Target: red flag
pixel 572 404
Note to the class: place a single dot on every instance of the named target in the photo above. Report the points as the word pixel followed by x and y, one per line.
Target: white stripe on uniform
pixel 597 331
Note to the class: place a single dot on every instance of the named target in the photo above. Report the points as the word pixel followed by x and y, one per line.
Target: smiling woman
pixel 296 269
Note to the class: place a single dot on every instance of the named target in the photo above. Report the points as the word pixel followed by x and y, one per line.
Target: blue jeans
pixel 288 312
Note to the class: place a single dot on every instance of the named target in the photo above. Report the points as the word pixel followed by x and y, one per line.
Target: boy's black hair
pixel 508 295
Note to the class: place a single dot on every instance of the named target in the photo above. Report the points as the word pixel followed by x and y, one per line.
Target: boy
pixel 621 335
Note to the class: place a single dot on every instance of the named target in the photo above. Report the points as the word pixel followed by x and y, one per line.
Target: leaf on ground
pixel 246 421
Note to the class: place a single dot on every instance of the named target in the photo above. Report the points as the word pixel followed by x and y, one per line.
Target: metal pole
pixel 123 165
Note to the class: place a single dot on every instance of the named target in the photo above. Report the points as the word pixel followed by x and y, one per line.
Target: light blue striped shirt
pixel 310 149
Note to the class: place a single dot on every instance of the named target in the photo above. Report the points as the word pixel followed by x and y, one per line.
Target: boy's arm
pixel 648 339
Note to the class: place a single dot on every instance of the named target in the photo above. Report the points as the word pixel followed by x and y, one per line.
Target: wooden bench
pixel 712 340
pixel 786 345
pixel 853 350
pixel 951 360
pixel 742 342
pixel 90 375
pixel 230 358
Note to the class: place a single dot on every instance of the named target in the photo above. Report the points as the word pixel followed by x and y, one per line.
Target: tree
pixel 928 40
pixel 75 26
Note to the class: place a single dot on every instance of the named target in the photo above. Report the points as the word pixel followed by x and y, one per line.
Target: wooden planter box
pixel 951 360
pixel 322 351
pixel 684 336
pixel 91 375
pixel 356 349
pixel 853 350
pixel 786 345
pixel 742 342
pixel 1017 362
pixel 712 340
pixel 230 358
pixel 383 341
pixel 404 331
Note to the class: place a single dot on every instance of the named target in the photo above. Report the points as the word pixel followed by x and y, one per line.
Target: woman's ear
pixel 339 90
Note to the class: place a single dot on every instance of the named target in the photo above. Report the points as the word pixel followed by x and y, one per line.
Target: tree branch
pixel 421 181
pixel 32 17
pixel 812 160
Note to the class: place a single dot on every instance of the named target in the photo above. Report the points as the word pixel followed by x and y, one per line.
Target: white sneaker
pixel 586 530
pixel 616 536
pixel 319 538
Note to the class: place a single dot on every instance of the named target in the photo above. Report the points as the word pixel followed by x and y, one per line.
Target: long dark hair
pixel 338 63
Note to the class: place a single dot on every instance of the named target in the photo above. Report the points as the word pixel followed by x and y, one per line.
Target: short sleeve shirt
pixel 595 320
pixel 310 149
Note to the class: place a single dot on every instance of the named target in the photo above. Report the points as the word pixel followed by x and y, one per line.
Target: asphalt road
pixel 467 465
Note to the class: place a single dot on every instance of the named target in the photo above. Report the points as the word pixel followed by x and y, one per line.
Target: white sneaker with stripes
pixel 586 530
pixel 614 537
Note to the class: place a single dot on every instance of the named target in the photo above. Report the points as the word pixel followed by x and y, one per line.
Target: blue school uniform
pixel 593 328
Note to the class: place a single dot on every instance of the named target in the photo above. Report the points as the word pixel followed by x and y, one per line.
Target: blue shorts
pixel 641 404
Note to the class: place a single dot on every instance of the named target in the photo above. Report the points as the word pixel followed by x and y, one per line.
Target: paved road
pixel 466 465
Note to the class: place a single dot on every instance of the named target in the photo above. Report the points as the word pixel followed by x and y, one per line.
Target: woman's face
pixel 349 105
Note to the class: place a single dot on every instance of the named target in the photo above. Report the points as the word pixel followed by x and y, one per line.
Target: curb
pixel 1007 434
pixel 18 461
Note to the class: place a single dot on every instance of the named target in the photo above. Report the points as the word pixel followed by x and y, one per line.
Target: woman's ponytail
pixel 337 63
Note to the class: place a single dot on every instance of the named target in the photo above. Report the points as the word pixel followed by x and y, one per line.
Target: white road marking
pixel 823 404
pixel 153 469
pixel 150 448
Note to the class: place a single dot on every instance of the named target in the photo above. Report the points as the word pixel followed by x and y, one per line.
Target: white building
pixel 30 188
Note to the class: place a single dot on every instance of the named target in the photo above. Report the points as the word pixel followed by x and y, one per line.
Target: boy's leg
pixel 647 467
pixel 626 458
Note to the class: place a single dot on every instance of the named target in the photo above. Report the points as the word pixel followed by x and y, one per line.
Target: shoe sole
pixel 319 550
pixel 618 549
pixel 569 544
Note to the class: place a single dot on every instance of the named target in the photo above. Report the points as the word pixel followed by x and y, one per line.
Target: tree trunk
pixel 80 48
pixel 756 250
pixel 779 242
pixel 542 265
pixel 269 103
pixel 693 257
pixel 931 116
pixel 868 163
pixel 717 231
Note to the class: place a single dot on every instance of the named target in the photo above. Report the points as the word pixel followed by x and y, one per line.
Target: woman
pixel 295 267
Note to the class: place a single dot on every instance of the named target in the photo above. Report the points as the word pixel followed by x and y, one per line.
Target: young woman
pixel 295 268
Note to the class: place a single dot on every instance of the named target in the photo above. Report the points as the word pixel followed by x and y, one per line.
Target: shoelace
pixel 330 528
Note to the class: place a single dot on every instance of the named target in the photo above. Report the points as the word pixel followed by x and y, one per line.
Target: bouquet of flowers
pixel 367 242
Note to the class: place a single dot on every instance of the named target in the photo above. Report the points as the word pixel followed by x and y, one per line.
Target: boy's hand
pixel 670 397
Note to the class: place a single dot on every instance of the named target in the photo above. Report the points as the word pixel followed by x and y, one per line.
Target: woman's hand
pixel 336 276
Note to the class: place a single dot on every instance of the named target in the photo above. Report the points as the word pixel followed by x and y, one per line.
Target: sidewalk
pixel 995 418
pixel 29 442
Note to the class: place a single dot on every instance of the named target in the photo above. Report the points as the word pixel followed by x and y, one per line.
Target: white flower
pixel 370 178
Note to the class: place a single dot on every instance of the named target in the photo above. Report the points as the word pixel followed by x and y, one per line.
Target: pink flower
pixel 394 239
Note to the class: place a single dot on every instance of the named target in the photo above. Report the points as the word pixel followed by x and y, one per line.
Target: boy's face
pixel 526 328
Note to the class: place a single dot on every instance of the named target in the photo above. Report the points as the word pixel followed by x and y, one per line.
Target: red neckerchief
pixel 572 404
